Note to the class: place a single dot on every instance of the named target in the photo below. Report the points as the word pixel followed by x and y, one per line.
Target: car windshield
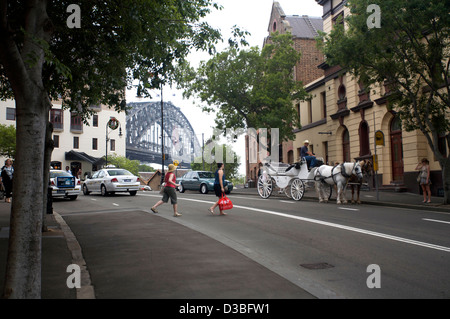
pixel 54 174
pixel 206 174
pixel 117 172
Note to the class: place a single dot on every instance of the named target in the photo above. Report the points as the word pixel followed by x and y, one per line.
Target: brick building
pixel 304 31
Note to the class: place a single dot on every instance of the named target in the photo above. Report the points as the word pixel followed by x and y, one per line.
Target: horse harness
pixel 342 172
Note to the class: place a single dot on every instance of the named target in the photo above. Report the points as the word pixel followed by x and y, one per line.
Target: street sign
pixel 379 138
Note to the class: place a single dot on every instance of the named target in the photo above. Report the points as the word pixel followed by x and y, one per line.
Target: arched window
pixel 364 145
pixel 274 26
pixel 346 146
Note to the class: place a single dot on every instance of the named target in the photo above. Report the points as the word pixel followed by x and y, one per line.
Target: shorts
pixel 217 190
pixel 169 192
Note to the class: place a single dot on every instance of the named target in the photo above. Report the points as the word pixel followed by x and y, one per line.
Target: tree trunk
pixel 23 269
pixel 47 162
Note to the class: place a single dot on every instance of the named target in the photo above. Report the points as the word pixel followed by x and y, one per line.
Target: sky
pixel 250 15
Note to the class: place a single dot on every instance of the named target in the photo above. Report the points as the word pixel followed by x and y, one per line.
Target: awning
pixel 81 156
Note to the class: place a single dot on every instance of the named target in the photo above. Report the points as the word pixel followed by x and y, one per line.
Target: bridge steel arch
pixel 143 125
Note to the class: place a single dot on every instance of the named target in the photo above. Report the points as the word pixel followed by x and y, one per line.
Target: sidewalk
pixel 383 198
pixel 201 277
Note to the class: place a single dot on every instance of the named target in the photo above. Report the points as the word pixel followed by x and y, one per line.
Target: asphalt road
pixel 328 250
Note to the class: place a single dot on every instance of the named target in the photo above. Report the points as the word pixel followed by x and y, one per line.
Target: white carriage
pixel 292 180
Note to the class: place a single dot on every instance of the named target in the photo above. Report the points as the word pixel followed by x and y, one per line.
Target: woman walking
pixel 7 179
pixel 425 181
pixel 169 191
pixel 219 187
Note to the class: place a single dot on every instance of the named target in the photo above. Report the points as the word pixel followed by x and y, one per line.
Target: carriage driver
pixel 309 156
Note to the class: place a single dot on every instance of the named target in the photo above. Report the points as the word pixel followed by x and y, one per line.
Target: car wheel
pixel 103 189
pixel 85 190
pixel 133 193
pixel 204 189
pixel 181 188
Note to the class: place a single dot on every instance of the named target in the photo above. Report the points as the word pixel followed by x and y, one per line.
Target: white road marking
pixel 288 202
pixel 435 220
pixel 324 223
pixel 115 204
pixel 93 199
pixel 345 208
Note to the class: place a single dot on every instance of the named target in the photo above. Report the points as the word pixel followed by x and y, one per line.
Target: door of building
pixel 396 150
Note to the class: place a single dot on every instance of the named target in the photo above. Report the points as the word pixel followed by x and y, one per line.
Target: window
pixel 10 114
pixel 94 143
pixel 112 145
pixel 364 146
pixel 310 111
pixel 323 100
pixel 76 124
pixel 442 144
pixel 95 120
pixel 346 146
pixel 76 142
pixel 56 118
pixel 56 141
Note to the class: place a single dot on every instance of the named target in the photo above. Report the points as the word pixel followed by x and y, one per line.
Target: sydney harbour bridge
pixel 144 138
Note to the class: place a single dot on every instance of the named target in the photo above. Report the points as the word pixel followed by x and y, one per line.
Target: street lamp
pixel 112 124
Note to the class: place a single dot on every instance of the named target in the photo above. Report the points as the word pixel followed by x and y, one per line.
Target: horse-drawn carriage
pixel 294 179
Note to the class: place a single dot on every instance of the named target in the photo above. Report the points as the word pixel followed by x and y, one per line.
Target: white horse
pixel 336 175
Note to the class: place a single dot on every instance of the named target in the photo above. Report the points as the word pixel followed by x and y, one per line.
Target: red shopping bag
pixel 225 203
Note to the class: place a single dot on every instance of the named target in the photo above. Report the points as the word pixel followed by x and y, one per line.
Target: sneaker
pixel 176 215
pixel 154 210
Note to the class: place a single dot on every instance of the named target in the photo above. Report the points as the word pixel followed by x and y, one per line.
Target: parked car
pixel 110 181
pixel 200 181
pixel 64 185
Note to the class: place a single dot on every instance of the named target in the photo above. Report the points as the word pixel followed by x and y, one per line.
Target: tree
pixel 84 54
pixel 249 88
pixel 410 54
pixel 231 167
pixel 8 141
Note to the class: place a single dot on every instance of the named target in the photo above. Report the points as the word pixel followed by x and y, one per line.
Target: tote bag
pixel 225 203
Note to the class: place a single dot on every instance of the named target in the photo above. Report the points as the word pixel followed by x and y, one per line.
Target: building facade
pixel 304 31
pixel 343 118
pixel 78 145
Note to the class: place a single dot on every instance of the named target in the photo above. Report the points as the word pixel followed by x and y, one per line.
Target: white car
pixel 64 185
pixel 110 181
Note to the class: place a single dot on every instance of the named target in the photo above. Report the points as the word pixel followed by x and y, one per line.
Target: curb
pixel 87 290
pixel 432 207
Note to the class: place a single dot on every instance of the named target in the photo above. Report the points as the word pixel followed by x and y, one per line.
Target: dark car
pixel 201 181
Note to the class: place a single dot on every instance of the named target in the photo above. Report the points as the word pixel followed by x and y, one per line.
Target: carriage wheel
pixel 297 189
pixel 265 186
pixel 287 191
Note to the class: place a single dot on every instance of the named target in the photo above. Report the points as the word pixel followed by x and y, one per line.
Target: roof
pixel 304 26
pixel 81 156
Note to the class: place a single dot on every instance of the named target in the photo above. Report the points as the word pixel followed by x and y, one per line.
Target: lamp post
pixel 162 135
pixel 112 124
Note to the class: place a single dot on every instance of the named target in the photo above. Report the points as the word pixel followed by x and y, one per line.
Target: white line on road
pixel 345 208
pixel 115 204
pixel 320 222
pixel 288 202
pixel 93 199
pixel 435 220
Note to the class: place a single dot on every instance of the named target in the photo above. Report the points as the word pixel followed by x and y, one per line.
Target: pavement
pixel 205 266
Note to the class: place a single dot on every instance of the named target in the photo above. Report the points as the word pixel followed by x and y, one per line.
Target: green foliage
pixel 249 88
pixel 410 53
pixel 8 141
pixel 118 42
pixel 134 166
pixel 231 169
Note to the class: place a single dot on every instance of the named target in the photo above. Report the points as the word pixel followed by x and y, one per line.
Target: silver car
pixel 64 185
pixel 110 181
